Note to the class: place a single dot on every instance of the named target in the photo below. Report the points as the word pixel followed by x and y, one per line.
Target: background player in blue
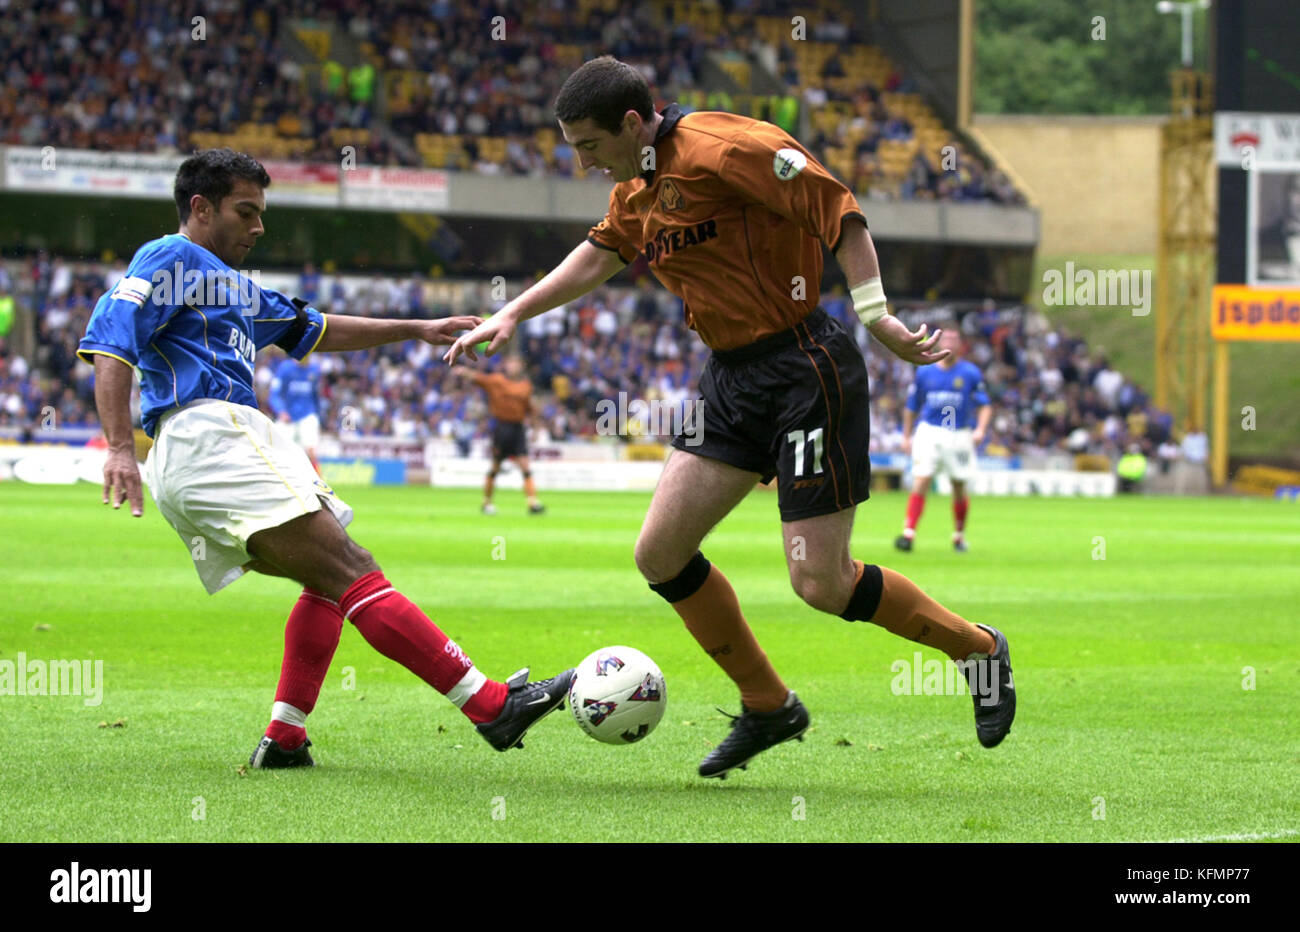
pixel 946 395
pixel 239 496
pixel 295 401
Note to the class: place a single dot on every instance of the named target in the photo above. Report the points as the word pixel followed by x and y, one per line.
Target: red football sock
pixel 959 509
pixel 311 636
pixel 915 505
pixel 394 626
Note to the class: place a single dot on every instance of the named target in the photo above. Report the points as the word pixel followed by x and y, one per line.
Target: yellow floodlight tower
pixel 1188 225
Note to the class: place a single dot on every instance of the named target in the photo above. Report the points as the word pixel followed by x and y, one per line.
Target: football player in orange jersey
pixel 732 214
pixel 510 401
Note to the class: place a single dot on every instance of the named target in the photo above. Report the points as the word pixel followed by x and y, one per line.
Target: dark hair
pixel 212 173
pixel 604 89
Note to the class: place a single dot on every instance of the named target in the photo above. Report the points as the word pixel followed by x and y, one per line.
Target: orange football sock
pixel 530 489
pixel 907 611
pixel 712 615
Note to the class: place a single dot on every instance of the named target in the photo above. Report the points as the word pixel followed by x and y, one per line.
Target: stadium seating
pixel 1052 395
pixel 443 93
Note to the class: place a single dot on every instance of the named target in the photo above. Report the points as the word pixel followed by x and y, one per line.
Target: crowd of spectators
pixel 1051 392
pixel 146 75
pixel 53 387
pixel 481 82
pixel 140 75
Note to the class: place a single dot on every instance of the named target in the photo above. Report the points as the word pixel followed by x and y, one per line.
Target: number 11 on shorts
pixel 797 438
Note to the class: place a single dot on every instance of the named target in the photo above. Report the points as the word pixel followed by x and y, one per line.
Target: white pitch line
pixel 1251 836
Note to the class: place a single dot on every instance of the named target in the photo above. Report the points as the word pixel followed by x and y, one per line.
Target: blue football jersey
pixel 295 389
pixel 192 325
pixel 948 397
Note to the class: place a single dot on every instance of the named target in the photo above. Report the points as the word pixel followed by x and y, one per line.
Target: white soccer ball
pixel 618 695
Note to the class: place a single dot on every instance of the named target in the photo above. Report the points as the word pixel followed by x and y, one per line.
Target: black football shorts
pixel 792 405
pixel 508 439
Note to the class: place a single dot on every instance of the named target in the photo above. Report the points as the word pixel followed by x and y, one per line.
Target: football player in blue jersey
pixel 295 401
pixel 241 497
pixel 950 407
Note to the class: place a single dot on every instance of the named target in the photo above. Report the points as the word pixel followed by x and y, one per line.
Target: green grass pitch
pixel 1129 669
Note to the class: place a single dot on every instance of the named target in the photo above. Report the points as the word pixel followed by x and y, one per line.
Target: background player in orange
pixel 510 402
pixel 732 214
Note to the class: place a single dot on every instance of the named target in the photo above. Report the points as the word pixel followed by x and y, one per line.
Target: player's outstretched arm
pixel 582 270
pixel 344 333
pixel 857 258
pixel 113 380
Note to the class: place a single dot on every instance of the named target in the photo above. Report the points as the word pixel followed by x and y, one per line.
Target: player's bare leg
pixel 694 493
pixel 960 507
pixel 825 575
pixel 915 505
pixel 817 555
pixel 489 484
pixel 313 550
pixel 535 507
pixel 341 580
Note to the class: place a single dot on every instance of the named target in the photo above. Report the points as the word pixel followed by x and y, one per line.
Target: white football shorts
pixel 938 449
pixel 305 432
pixel 220 472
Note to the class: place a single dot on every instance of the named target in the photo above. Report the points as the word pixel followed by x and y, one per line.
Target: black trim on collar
pixel 671 114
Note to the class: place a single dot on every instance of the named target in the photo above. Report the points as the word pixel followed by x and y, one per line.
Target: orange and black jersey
pixel 729 224
pixel 508 400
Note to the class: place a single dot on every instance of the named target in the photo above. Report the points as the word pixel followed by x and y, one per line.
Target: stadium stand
pixel 1052 393
pixel 431 84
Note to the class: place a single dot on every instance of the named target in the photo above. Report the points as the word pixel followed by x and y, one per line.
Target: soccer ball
pixel 618 695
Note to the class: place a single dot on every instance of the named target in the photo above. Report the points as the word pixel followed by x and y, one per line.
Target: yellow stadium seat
pixel 317 41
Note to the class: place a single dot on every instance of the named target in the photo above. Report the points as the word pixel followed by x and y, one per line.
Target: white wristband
pixel 869 301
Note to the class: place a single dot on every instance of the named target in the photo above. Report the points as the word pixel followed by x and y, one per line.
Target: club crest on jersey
pixel 607 664
pixel 787 163
pixel 646 692
pixel 670 198
pixel 956 383
pixel 597 710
